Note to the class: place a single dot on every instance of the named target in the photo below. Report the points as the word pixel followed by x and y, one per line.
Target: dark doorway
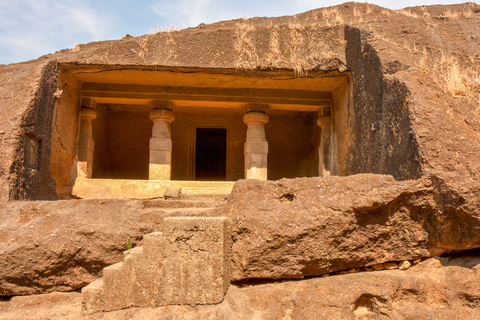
pixel 211 154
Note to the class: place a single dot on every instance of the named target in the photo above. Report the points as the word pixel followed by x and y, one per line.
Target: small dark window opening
pixel 211 154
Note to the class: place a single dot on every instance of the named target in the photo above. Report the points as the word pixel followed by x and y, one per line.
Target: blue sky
pixel 31 28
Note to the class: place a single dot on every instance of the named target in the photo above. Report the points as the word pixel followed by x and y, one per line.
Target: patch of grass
pixel 469 13
pixel 449 14
pixel 170 28
pixel 369 8
pixel 455 77
pixel 356 13
pixel 274 57
pixel 408 13
pixel 425 13
pixel 297 42
pixel 129 243
pixel 247 57
pixel 332 16
pixel 338 19
pixel 327 13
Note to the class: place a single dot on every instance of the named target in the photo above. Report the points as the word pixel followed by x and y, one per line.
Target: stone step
pixel 204 196
pixel 173 204
pixel 94 295
pixel 112 275
pixel 190 212
pixel 204 193
pixel 133 252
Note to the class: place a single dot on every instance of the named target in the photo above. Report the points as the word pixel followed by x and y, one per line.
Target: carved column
pixel 256 146
pixel 324 121
pixel 160 167
pixel 85 144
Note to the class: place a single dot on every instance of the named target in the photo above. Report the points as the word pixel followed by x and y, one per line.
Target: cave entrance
pixel 141 129
pixel 210 154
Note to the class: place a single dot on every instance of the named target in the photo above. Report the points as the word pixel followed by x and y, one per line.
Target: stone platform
pixel 150 189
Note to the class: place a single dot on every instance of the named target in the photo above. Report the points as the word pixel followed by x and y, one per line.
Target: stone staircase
pixel 185 264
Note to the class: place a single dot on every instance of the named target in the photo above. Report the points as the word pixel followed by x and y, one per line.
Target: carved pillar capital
pixel 162 114
pixel 255 116
pixel 162 104
pixel 88 113
pixel 324 121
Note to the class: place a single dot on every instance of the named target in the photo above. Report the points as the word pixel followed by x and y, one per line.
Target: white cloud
pixel 31 28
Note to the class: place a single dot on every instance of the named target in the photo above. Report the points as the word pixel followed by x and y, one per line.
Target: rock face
pixel 441 288
pixel 64 245
pixel 294 228
pixel 289 228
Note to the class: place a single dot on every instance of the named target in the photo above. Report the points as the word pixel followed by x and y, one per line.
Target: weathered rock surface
pixel 302 227
pixel 438 288
pixel 280 229
pixel 64 245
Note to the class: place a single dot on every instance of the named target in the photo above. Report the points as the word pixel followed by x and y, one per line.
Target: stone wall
pixel 122 149
pixel 293 139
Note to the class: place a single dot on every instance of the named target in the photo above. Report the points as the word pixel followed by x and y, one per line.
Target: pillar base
pixel 256 153
pixel 159 171
pixel 82 170
pixel 256 173
pixel 160 167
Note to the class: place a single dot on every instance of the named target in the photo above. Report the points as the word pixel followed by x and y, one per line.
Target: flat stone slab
pixel 147 189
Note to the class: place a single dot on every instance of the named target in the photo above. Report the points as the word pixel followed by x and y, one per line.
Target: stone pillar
pixel 256 146
pixel 160 167
pixel 324 156
pixel 85 144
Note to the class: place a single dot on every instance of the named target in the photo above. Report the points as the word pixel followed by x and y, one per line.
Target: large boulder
pixel 303 227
